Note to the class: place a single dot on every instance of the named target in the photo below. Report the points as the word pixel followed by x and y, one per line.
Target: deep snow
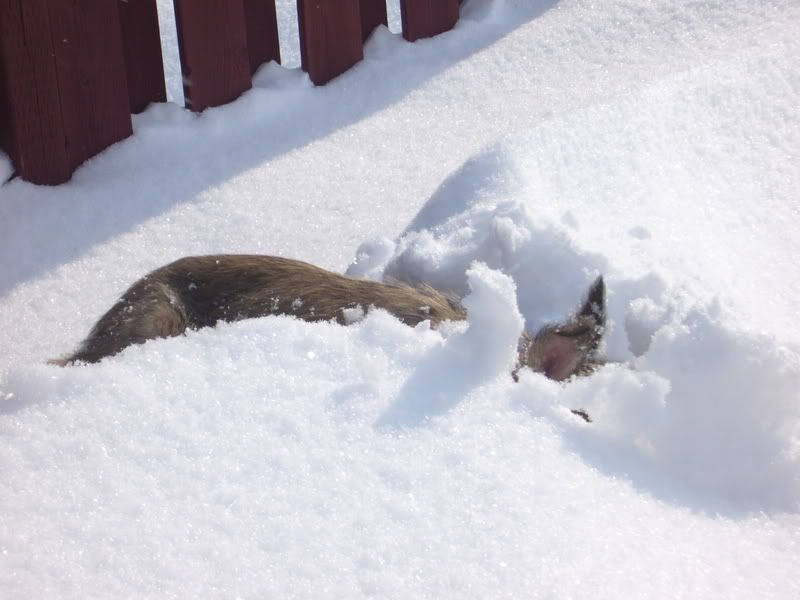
pixel 511 160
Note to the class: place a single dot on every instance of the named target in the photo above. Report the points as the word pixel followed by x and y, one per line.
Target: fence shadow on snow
pixel 280 114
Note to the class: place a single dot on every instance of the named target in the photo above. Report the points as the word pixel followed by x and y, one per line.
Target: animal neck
pixel 523 348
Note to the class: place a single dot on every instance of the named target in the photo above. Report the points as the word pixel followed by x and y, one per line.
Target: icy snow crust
pixel 509 161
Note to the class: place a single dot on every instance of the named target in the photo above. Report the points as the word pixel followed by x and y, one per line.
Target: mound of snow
pixel 484 223
pixel 690 388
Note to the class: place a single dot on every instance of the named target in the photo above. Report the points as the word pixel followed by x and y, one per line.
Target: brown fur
pixel 199 291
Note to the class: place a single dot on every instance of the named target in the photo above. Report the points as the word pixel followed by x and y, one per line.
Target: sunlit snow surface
pixel 510 161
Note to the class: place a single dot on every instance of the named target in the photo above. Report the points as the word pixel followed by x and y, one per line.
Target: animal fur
pixel 199 291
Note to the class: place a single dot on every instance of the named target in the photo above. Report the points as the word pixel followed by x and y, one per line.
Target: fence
pixel 72 72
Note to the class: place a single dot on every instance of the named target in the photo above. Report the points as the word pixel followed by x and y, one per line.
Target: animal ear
pixel 595 304
pixel 560 351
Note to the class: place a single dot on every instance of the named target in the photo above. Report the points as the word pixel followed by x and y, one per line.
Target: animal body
pixel 199 291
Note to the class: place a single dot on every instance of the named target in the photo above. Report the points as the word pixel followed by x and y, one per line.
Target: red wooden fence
pixel 426 18
pixel 71 73
pixel 373 13
pixel 142 44
pixel 64 83
pixel 212 39
pixel 330 37
pixel 262 32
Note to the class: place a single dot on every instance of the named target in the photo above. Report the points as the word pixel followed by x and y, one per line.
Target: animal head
pixel 562 350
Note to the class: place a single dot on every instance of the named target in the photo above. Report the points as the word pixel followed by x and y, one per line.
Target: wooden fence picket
pixel 261 22
pixel 212 40
pixel 64 99
pixel 142 45
pixel 426 18
pixel 330 37
pixel 373 13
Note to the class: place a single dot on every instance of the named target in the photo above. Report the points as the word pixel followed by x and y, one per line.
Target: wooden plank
pixel 330 37
pixel 212 40
pixel 90 66
pixel 33 130
pixel 64 81
pixel 141 40
pixel 261 24
pixel 101 52
pixel 71 81
pixel 5 105
pixel 426 18
pixel 373 13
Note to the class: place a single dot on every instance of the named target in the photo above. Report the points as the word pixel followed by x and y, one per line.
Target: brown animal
pixel 199 291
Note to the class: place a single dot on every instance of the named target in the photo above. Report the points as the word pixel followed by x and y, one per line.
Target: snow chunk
pixel 6 168
pixel 468 358
pixel 371 258
pixel 353 314
pixel 731 421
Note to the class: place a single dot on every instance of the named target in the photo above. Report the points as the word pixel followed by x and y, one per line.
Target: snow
pixel 510 161
pixel 485 351
pixel 6 169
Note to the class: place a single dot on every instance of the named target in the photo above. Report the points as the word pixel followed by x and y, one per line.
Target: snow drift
pixel 687 386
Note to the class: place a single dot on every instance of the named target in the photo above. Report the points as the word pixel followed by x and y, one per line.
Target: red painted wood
pixel 64 84
pixel 426 18
pixel 142 46
pixel 262 32
pixel 373 13
pixel 5 111
pixel 212 40
pixel 5 105
pixel 330 37
pixel 90 66
pixel 105 90
pixel 33 135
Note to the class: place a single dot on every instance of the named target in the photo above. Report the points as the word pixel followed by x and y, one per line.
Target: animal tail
pixel 150 309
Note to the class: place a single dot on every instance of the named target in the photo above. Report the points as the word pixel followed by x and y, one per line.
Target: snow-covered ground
pixel 510 160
